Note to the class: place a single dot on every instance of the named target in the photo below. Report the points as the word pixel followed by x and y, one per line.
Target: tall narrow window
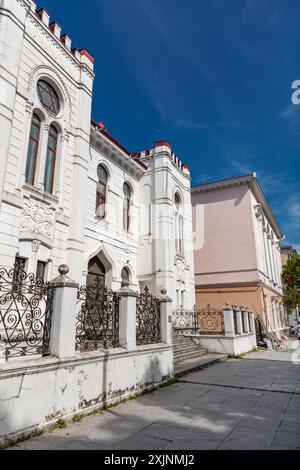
pixel 19 274
pixel 126 207
pixel 33 148
pixel 101 192
pixel 125 275
pixel 40 277
pixel 50 160
pixel 178 225
pixel 40 270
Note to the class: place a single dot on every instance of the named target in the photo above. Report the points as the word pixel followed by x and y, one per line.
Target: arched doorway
pixel 96 272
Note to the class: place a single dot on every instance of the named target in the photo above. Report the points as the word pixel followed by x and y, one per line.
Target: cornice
pixel 102 144
pixel 253 184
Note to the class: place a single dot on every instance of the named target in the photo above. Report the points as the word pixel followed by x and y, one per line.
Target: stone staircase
pixel 186 348
pixel 189 356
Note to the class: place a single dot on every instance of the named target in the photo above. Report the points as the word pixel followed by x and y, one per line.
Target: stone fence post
pixel 127 317
pixel 166 326
pixel 239 321
pixel 228 321
pixel 246 320
pixel 63 325
pixel 252 322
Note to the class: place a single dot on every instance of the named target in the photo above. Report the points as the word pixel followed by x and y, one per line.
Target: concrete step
pixel 189 355
pixel 183 343
pixel 183 349
pixel 193 364
pixel 182 340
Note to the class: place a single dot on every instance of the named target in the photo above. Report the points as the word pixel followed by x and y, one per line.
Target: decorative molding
pixel 23 3
pixel 258 211
pixel 40 69
pixel 37 218
pixel 35 245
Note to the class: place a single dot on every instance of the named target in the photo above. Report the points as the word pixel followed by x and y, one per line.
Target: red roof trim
pixel 87 54
pixel 164 143
pixel 101 127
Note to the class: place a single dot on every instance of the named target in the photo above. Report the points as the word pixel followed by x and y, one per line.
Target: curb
pixel 203 365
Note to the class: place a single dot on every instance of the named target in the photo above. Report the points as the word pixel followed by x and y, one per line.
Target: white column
pixel 266 251
pixel 239 322
pixel 228 321
pixel 63 326
pixel 12 30
pixel 246 321
pixel 32 260
pixel 127 317
pixel 165 317
pixel 252 322
pixel 42 155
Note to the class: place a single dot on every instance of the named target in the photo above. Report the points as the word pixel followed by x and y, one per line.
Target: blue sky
pixel 213 77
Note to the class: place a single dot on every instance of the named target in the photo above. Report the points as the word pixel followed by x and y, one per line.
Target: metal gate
pixel 185 322
pixel 26 305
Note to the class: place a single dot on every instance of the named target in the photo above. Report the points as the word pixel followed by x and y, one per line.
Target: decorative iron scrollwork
pixel 97 323
pixel 211 321
pixel 185 321
pixel 147 318
pixel 26 305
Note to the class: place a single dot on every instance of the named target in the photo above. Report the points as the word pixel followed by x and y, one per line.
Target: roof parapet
pixel 82 55
pixel 165 147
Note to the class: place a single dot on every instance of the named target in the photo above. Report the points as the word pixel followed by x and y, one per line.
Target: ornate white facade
pixel 62 225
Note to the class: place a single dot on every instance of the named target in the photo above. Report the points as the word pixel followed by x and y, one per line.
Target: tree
pixel 291 279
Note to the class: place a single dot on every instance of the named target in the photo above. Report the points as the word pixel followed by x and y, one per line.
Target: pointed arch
pixel 105 258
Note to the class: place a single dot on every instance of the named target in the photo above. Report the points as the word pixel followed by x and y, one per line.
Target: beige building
pixel 237 249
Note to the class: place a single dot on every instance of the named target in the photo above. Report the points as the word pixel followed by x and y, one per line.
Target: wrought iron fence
pixel 147 318
pixel 185 321
pixel 97 322
pixel 26 305
pixel 211 321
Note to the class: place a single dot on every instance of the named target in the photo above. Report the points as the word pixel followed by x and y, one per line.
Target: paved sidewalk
pixel 240 404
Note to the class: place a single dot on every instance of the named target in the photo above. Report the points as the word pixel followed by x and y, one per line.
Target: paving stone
pixel 188 444
pixel 191 416
pixel 289 440
pixel 143 442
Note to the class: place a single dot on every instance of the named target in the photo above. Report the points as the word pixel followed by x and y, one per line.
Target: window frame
pixel 54 151
pixel 35 118
pixel 19 268
pixel 52 112
pixel 128 274
pixel 126 207
pixel 103 195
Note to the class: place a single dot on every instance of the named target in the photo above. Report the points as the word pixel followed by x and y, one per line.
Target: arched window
pixel 126 207
pixel 101 192
pixel 177 201
pixel 50 160
pixel 33 148
pixel 178 225
pixel 125 274
pixel 48 97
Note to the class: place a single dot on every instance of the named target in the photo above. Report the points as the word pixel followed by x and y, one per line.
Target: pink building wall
pixel 228 253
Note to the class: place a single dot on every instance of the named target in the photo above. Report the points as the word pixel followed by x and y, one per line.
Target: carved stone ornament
pixel 258 211
pixel 35 245
pixel 37 218
pixel 180 265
